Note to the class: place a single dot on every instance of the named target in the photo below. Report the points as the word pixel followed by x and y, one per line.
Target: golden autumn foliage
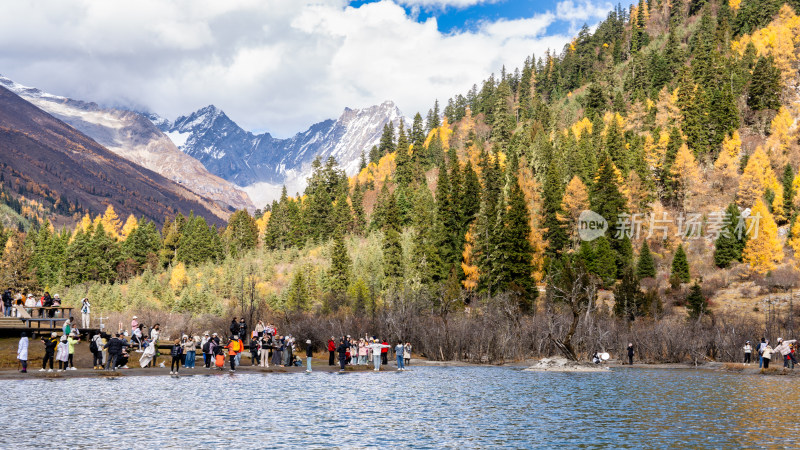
pixel 794 242
pixel 734 4
pixel 444 132
pixel 582 126
pixel 178 279
pixel 262 222
pixel 763 250
pixel 684 171
pixel 783 133
pixel 111 222
pixel 532 191
pixel 654 151
pixel 575 200
pixel 668 112
pixel 727 163
pixel 130 224
pixel 779 39
pixel 471 272
pixel 376 173
pixel 758 176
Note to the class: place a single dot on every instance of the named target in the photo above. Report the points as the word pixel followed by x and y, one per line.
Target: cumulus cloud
pixel 272 65
pixel 443 4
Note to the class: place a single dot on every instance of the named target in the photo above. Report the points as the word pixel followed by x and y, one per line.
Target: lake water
pixel 425 407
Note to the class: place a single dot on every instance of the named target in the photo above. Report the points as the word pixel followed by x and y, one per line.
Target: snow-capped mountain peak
pixel 262 163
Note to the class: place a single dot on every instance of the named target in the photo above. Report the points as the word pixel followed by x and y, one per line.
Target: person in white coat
pixel 86 309
pixel 22 352
pixel 376 348
pixel 785 349
pixel 62 354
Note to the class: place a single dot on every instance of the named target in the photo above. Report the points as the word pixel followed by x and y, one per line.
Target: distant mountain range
pixel 49 161
pixel 211 155
pixel 262 164
pixel 135 138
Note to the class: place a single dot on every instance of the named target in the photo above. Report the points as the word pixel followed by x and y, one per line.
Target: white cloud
pixel 272 65
pixel 443 4
pixel 582 11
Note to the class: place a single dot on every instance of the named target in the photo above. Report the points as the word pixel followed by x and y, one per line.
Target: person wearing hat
pixel 49 351
pixel 309 354
pixel 748 351
pixel 22 352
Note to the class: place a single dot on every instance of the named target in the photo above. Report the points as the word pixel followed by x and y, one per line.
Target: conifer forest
pixel 673 123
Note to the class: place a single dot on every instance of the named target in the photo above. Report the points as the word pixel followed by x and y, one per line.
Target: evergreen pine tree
pixel 731 240
pixel 605 261
pixel 696 304
pixel 680 266
pixel 628 297
pixel 555 234
pixel 359 216
pixel 646 267
pixel 514 250
pixel 241 234
pixel 788 191
pixel 765 85
pixel 339 273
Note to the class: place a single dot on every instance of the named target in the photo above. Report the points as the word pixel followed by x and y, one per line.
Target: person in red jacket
pixel 331 350
pixel 385 352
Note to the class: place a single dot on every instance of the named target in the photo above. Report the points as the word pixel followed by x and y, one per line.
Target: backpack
pixel 235 346
pixel 93 346
pixel 176 350
pixel 207 347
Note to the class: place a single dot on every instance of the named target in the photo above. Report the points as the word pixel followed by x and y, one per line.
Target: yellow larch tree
pixel 734 4
pixel 668 112
pixel 794 242
pixel 763 249
pixel 654 151
pixel 532 191
pixel 726 166
pixel 130 224
pixel 757 177
pixel 262 222
pixel 471 272
pixel 782 136
pixel 178 278
pixel 779 39
pixel 685 173
pixel 582 126
pixel 796 186
pixel 575 201
pixel 111 222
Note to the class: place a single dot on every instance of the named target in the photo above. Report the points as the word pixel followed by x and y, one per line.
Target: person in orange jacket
pixel 235 346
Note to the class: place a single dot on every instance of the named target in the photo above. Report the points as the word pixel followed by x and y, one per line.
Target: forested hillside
pixel 676 122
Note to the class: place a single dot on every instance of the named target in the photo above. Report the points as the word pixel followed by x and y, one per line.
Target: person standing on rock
pixel 234 327
pixel 22 352
pixel 407 354
pixel 748 351
pixel 630 353
pixel 342 349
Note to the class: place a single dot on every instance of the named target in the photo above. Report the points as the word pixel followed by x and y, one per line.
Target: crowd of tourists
pixel 785 350
pixel 264 344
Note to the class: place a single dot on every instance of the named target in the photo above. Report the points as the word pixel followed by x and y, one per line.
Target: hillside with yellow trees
pixel 630 187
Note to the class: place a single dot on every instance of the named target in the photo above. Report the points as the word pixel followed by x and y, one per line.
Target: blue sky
pixel 452 19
